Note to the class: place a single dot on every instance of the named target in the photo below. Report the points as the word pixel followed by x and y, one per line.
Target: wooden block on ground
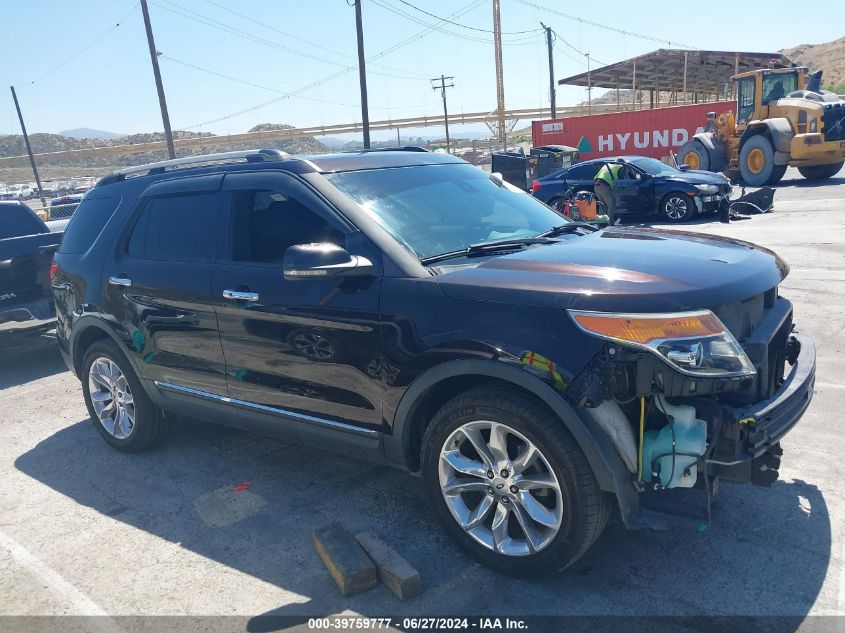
pixel 394 571
pixel 348 564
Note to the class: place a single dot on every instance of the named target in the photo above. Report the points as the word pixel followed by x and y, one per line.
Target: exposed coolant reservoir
pixel 669 454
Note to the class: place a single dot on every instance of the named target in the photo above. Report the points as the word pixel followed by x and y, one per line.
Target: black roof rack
pixel 250 156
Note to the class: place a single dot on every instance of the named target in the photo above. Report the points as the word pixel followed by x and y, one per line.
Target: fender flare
pixel 88 321
pixel 779 129
pixel 607 465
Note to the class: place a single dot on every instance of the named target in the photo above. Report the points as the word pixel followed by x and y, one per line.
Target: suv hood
pixel 622 269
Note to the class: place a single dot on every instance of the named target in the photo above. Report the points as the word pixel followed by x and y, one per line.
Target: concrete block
pixel 395 572
pixel 348 564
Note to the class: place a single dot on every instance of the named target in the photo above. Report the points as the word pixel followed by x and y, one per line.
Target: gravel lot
pixel 87 530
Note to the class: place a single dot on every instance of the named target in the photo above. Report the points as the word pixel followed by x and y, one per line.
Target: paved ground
pixel 87 530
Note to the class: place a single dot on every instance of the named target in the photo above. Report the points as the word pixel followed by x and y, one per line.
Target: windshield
pixel 433 209
pixel 654 167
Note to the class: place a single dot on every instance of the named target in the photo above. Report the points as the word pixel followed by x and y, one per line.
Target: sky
pixel 229 65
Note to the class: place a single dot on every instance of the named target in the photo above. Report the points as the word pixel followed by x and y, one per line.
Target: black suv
pixel 406 306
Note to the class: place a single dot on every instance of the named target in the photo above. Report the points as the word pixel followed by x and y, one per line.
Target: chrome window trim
pixel 338 426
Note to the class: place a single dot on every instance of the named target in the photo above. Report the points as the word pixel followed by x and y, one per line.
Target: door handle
pixel 120 281
pixel 237 295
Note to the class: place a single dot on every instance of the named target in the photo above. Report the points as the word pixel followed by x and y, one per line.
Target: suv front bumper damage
pixel 759 427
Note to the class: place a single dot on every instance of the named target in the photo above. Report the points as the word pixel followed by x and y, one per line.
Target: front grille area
pixel 762 325
pixel 833 121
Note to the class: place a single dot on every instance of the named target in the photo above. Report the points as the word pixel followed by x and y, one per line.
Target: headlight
pixel 695 343
pixel 709 189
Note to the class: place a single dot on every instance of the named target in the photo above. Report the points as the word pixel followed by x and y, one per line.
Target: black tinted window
pixel 87 223
pixel 265 223
pixel 583 172
pixel 177 228
pixel 17 220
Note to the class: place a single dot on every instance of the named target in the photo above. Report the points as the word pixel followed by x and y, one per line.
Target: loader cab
pixel 756 90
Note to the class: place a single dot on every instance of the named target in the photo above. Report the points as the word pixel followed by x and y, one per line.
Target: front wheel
pixel 694 154
pixel 677 207
pixel 510 484
pixel 757 161
pixel 820 172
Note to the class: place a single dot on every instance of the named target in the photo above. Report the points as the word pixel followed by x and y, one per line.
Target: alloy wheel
pixel 111 397
pixel 313 346
pixel 676 208
pixel 500 488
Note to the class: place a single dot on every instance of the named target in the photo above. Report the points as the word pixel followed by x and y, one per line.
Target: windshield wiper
pixel 569 227
pixel 485 247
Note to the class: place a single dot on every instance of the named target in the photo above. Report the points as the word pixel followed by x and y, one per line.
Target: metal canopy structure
pixel 676 71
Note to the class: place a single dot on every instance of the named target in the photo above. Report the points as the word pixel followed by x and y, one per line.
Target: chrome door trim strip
pixel 338 426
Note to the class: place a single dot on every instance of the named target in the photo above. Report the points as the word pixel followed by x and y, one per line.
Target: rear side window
pixel 87 223
pixel 583 172
pixel 177 228
pixel 17 220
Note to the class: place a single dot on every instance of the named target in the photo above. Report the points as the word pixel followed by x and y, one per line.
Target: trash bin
pixel 516 168
pixel 550 158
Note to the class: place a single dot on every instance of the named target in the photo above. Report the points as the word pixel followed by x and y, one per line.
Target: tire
pixel 677 207
pixel 556 203
pixel 695 154
pixel 821 172
pixel 777 174
pixel 572 508
pixel 757 161
pixel 144 424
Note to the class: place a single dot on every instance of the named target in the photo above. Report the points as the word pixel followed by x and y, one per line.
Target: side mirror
pixel 497 179
pixel 310 261
pixel 684 167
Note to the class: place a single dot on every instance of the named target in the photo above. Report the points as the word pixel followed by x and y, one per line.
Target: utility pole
pixel 29 150
pixel 442 88
pixel 165 118
pixel 552 95
pixel 398 140
pixel 362 75
pixel 500 87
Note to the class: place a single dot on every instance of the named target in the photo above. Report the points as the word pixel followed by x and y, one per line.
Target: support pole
pixel 165 118
pixel 589 87
pixel 500 86
pixel 29 150
pixel 362 75
pixel 442 88
pixel 686 59
pixel 634 85
pixel 552 94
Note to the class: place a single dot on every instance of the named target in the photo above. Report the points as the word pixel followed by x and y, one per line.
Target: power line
pixel 600 25
pixel 85 49
pixel 282 92
pixel 460 12
pixel 299 39
pixel 231 30
pixel 461 36
pixel 464 26
pixel 582 53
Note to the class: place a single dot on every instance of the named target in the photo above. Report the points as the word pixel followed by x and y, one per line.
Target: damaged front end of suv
pixel 692 398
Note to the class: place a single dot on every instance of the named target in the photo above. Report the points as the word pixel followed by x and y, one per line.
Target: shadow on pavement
pixel 766 552
pixel 24 358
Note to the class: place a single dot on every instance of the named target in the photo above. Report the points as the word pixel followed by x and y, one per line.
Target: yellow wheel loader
pixel 782 118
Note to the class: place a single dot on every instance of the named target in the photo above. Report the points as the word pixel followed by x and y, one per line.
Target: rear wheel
pixel 119 407
pixel 821 172
pixel 510 484
pixel 694 154
pixel 777 174
pixel 677 207
pixel 757 161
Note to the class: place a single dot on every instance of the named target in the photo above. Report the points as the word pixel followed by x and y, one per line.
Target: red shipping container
pixel 652 132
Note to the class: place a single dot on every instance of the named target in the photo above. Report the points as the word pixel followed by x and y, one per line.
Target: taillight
pixel 535 187
pixel 54 269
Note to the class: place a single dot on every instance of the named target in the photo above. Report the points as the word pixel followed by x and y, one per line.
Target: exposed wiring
pixel 642 434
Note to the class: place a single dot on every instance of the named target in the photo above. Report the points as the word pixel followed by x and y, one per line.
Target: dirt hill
pixel 828 57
